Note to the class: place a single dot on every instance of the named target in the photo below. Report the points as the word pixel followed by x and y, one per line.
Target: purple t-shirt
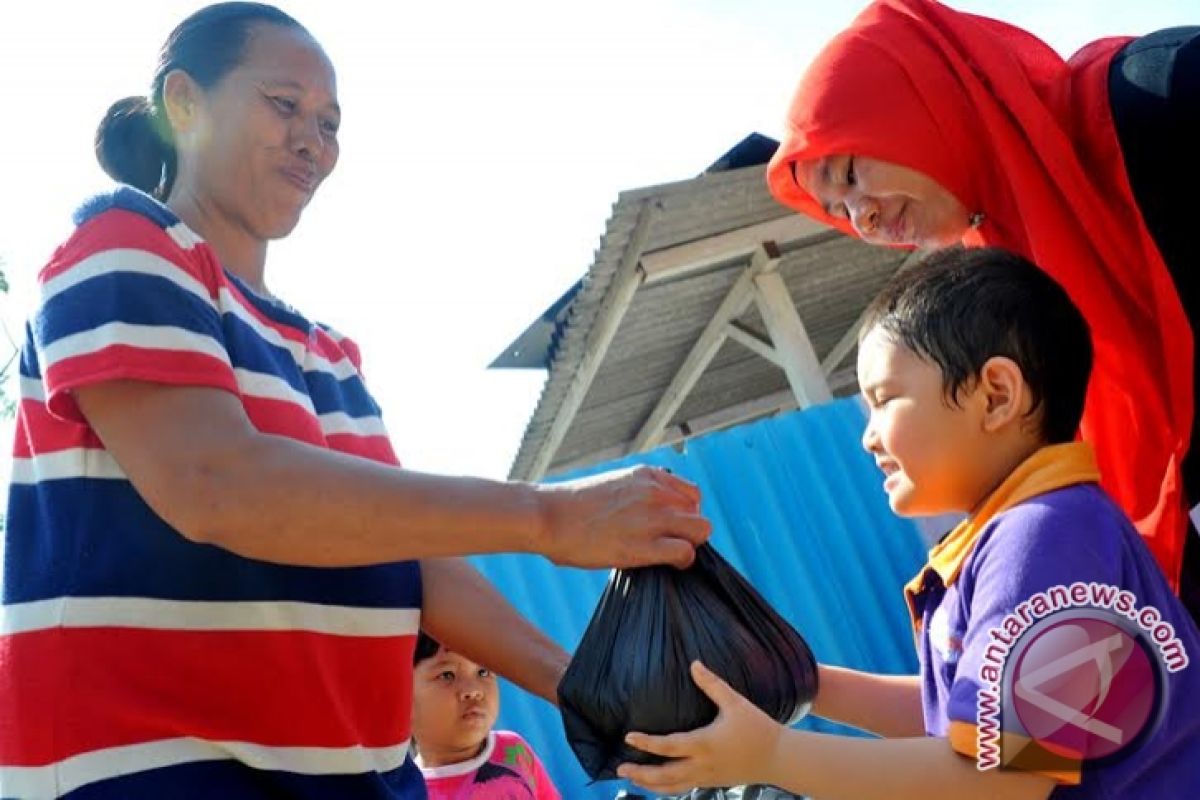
pixel 1020 578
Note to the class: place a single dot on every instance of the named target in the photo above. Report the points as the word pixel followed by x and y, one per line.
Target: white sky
pixel 483 144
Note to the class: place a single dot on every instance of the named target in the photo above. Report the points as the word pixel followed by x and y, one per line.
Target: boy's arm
pixel 745 746
pixel 887 705
pixel 464 612
pixel 925 768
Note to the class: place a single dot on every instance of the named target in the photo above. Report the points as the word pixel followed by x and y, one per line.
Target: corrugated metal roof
pixel 798 508
pixel 830 278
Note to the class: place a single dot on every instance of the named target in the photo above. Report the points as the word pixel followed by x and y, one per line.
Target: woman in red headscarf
pixel 924 126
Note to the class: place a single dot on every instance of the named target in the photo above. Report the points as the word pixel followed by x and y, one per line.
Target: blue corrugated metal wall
pixel 798 507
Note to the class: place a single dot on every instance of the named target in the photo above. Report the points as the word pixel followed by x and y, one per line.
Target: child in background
pixel 455 703
pixel 975 366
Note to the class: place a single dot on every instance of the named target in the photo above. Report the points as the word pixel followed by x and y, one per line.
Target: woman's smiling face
pixel 886 203
pixel 258 144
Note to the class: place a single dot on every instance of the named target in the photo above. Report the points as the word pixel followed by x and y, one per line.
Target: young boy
pixel 455 702
pixel 1050 644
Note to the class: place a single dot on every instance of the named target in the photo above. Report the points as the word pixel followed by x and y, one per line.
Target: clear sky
pixel 483 144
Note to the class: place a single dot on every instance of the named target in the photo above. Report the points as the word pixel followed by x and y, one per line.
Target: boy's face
pixel 455 702
pixel 928 448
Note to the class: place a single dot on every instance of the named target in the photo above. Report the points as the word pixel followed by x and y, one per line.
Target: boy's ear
pixel 1004 392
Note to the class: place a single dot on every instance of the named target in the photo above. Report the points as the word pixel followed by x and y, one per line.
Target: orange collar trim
pixel 1052 467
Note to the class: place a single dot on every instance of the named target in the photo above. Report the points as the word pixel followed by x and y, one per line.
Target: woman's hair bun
pixel 129 147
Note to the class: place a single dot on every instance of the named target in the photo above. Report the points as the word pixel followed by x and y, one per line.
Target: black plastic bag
pixel 631 671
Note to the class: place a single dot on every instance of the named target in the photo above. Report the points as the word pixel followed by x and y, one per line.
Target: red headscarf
pixel 999 119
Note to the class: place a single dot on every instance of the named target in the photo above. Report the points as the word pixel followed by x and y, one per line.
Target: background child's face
pixel 928 448
pixel 455 702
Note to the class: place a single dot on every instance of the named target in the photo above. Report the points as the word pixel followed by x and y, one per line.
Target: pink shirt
pixel 507 769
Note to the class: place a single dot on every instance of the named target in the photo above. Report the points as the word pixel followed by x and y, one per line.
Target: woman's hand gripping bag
pixel 631 671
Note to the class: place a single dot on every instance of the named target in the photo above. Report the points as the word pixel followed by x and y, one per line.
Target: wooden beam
pixel 734 415
pixel 844 378
pixel 738 299
pixel 746 411
pixel 838 353
pixel 753 342
pixel 913 258
pixel 834 358
pixel 791 340
pixel 625 282
pixel 697 426
pixel 676 262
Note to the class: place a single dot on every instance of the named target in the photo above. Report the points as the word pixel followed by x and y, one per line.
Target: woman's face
pixel 258 144
pixel 886 203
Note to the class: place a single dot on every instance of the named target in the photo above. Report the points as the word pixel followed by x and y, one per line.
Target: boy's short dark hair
pixel 960 307
pixel 427 647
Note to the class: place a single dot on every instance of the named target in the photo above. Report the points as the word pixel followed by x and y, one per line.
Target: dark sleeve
pixel 1154 92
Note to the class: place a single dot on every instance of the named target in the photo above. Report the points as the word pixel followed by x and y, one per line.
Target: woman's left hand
pixel 736 748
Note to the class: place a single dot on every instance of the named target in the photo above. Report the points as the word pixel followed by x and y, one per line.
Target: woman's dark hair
pixel 427 647
pixel 960 307
pixel 134 143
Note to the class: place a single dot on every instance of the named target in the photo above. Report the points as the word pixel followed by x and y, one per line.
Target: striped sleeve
pixel 129 299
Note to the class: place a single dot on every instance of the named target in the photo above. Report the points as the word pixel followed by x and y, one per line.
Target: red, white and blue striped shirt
pixel 135 663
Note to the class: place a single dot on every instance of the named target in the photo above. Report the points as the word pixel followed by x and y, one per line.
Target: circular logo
pixel 1085 686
